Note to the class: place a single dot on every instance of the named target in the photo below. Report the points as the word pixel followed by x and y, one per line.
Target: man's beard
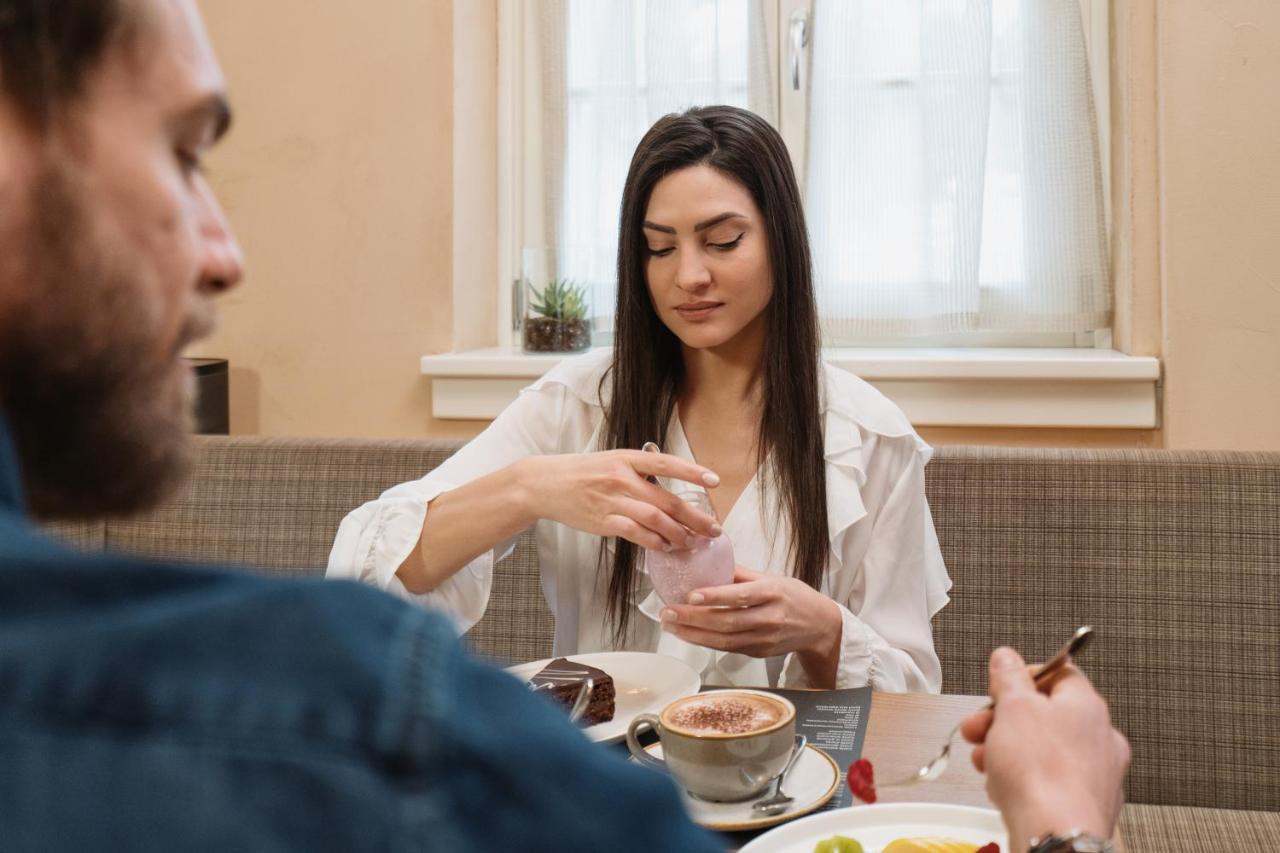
pixel 100 429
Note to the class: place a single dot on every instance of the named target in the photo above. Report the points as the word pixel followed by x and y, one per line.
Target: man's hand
pixel 1053 761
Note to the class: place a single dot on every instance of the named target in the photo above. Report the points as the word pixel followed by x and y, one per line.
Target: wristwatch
pixel 1076 841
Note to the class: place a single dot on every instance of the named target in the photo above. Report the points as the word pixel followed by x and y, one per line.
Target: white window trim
pixel 991 387
pixel 511 59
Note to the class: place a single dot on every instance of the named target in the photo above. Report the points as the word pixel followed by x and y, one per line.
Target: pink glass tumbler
pixel 677 573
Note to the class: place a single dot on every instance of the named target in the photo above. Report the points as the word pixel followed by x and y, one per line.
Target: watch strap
pixel 1076 841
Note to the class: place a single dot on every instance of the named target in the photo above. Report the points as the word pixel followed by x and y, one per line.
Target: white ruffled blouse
pixel 885 572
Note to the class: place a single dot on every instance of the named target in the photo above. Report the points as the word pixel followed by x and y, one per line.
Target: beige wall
pixel 362 199
pixel 1219 161
pixel 1132 439
pixel 338 180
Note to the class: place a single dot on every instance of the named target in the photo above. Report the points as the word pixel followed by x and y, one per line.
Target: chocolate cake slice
pixel 563 679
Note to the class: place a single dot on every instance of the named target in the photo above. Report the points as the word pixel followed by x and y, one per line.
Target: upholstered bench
pixel 1173 556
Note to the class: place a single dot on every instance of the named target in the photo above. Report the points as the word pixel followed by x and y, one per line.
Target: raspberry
pixel 862 780
pixel 988 848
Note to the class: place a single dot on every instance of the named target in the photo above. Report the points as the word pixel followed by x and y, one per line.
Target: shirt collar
pixel 11 494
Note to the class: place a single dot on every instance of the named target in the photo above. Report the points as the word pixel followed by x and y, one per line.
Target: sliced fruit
pixel 930 845
pixel 838 844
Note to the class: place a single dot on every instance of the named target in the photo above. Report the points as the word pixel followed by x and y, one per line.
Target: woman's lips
pixel 698 310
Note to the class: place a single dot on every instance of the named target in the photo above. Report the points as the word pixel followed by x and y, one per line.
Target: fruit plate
pixel 875 826
pixel 644 682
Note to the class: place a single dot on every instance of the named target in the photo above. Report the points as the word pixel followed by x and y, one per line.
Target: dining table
pixel 905 731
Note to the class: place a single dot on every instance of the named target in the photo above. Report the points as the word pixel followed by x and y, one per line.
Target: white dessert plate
pixel 644 682
pixel 875 826
pixel 812 782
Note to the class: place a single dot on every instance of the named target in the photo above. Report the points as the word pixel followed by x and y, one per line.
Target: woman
pixel 817 479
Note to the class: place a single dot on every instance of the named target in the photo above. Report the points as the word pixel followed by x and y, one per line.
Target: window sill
pixel 1087 388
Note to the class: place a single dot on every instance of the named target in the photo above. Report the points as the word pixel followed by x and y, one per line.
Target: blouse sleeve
pixel 375 538
pixel 888 642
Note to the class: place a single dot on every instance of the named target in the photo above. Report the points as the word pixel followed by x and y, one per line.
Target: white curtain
pixel 610 69
pixel 953 180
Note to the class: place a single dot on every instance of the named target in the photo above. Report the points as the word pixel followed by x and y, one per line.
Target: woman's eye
pixel 661 253
pixel 732 244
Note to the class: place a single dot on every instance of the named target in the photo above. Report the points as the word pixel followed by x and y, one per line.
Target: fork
pixel 938 766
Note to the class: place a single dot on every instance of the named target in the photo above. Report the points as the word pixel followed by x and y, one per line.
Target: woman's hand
pixel 763 615
pixel 606 494
pixel 1053 761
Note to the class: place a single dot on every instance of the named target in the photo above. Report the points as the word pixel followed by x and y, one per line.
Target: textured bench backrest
pixel 1174 557
pixel 273 505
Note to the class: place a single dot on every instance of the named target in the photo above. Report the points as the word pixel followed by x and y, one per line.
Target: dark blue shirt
pixel 150 707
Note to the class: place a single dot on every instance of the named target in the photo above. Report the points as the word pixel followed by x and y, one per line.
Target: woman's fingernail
pixel 711 478
pixel 716 530
pixel 690 541
pixel 697 598
pixel 667 546
pixel 667 615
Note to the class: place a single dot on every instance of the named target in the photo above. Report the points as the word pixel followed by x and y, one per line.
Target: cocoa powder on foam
pixel 730 716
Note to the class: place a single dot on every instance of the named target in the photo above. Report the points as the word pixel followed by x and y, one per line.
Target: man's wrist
pixel 1055 813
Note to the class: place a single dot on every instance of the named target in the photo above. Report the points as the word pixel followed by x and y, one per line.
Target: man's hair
pixel 48 48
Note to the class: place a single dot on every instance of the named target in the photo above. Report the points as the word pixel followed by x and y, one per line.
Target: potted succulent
pixel 558 317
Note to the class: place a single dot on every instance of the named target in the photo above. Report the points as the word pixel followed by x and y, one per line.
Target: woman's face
pixel 708 258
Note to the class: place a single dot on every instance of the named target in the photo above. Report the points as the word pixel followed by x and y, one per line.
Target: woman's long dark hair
pixel 648 368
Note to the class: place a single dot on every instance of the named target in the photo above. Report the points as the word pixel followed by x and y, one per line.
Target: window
pixel 948 149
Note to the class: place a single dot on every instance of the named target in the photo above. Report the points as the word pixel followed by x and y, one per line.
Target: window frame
pixel 519 158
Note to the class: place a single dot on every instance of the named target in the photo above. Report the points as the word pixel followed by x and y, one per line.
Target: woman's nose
pixel 693 273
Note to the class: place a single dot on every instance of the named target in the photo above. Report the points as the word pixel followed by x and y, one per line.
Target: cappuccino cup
pixel 722 745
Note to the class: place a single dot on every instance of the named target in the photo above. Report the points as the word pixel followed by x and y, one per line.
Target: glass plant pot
pixel 555 295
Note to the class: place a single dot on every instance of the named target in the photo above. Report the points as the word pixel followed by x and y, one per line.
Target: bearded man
pixel 148 707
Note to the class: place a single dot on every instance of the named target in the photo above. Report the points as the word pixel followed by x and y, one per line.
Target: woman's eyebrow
pixel 716 220
pixel 701 226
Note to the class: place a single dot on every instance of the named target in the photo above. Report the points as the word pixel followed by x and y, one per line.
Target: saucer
pixel 812 782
